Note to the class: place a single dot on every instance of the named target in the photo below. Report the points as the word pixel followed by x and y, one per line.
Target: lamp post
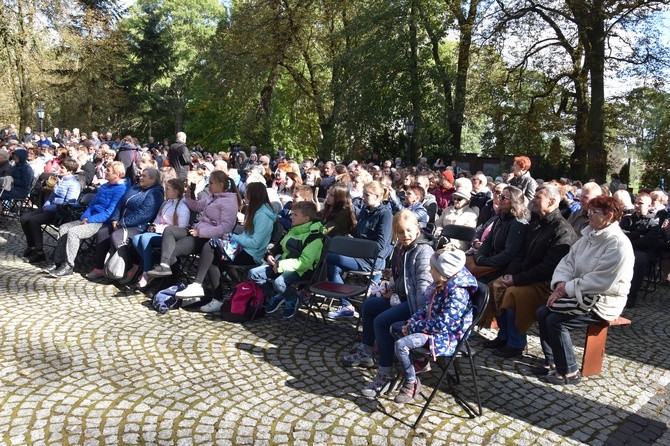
pixel 409 130
pixel 40 117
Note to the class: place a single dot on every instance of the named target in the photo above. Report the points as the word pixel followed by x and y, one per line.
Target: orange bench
pixel 594 347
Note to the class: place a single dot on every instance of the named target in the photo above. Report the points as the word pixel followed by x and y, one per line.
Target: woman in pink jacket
pixel 218 216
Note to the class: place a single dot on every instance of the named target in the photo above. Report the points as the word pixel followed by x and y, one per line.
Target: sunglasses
pixel 504 198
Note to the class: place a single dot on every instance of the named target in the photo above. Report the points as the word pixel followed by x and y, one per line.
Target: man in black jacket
pixel 525 285
pixel 179 156
pixel 644 233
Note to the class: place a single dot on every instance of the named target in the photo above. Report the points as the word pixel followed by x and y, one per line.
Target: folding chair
pixel 324 292
pixel 479 301
pixel 463 233
pixel 13 208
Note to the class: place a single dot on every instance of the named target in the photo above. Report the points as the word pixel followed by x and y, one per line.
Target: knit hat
pixel 448 263
pixel 463 188
pixel 449 175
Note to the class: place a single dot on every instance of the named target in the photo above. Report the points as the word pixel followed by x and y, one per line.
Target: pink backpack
pixel 245 303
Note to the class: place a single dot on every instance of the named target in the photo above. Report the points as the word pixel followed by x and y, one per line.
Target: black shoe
pixel 508 352
pixel 51 268
pixel 541 370
pixel 28 252
pixel 564 380
pixel 36 258
pixel 495 343
pixel 64 270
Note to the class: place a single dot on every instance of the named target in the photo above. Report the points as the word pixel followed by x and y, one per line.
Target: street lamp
pixel 40 116
pixel 409 130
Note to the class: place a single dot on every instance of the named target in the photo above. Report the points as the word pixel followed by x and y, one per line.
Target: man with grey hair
pixel 179 156
pixel 525 285
pixel 578 219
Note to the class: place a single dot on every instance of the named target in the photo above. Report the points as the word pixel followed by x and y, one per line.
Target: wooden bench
pixel 594 347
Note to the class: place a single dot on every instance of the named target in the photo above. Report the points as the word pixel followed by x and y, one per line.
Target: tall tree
pixel 581 32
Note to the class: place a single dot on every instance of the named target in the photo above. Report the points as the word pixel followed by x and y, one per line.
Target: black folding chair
pixel 457 232
pixel 324 293
pixel 479 302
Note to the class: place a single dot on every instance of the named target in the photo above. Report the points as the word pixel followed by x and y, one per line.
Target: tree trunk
pixel 596 123
pixel 415 87
pixel 465 25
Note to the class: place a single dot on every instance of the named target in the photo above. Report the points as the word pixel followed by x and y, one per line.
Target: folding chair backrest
pixel 479 301
pixel 354 247
pixel 458 232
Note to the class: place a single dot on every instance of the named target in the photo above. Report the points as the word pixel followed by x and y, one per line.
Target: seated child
pixel 441 323
pixel 290 260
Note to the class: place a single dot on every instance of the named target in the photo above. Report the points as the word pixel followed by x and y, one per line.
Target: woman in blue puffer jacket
pixel 132 215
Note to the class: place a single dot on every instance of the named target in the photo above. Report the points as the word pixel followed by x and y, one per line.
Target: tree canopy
pixel 577 84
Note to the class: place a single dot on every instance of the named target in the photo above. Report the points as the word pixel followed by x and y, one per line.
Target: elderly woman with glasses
pixel 590 284
pixel 505 237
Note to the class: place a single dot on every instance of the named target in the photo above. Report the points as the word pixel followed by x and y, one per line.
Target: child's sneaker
pixel 274 304
pixel 357 359
pixel 342 312
pixel 381 383
pixel 408 391
pixel 289 311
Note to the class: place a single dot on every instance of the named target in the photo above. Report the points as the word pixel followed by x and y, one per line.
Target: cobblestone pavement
pixel 87 363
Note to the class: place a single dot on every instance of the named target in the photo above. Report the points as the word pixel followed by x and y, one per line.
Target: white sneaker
pixel 212 307
pixel 193 290
pixel 342 312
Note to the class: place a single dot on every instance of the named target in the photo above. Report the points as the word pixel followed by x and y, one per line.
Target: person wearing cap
pixel 441 323
pixel 459 213
pixel 517 295
pixel 22 175
pixel 444 189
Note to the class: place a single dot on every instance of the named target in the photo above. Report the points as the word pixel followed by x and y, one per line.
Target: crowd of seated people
pixel 530 235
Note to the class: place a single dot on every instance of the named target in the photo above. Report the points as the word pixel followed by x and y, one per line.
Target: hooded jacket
pixel 218 214
pixel 255 244
pixel 138 207
pixel 104 202
pixel 447 314
pixel 295 255
pixel 415 274
pixel 23 177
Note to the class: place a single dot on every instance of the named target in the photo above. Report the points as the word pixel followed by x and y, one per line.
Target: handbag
pixel 575 305
pixel 115 266
pixel 225 249
pixel 50 182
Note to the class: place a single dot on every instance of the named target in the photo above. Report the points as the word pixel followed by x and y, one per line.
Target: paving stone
pixel 82 374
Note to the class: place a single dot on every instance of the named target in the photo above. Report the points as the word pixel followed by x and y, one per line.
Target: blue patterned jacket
pixel 447 314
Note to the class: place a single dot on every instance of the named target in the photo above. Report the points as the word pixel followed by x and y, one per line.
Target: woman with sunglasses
pixel 504 239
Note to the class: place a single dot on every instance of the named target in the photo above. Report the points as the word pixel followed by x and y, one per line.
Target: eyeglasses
pixel 591 212
pixel 497 192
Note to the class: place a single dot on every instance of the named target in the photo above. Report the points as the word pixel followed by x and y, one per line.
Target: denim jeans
pixel 281 283
pixel 144 245
pixel 404 346
pixel 377 316
pixel 508 331
pixel 555 337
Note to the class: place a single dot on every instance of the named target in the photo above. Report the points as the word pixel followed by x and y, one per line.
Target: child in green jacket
pixel 291 260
